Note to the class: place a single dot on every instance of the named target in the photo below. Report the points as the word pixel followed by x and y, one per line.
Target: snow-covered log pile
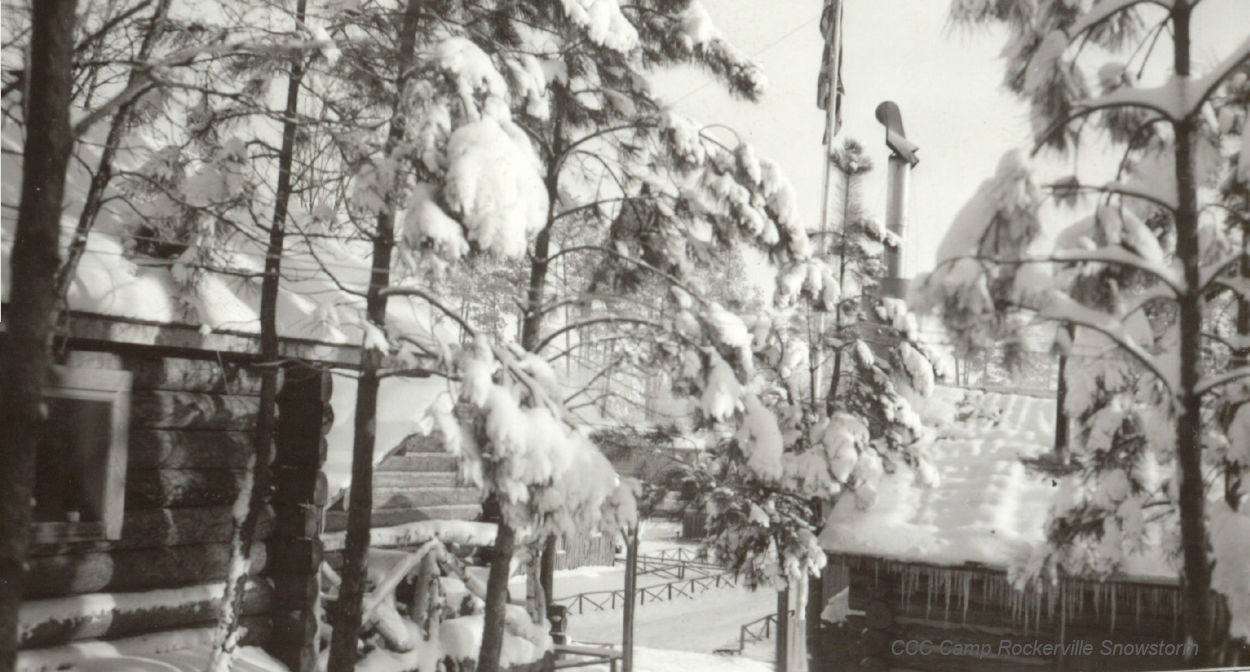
pixel 424 612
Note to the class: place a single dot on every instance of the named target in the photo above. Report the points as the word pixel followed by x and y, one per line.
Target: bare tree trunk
pixel 530 326
pixel 32 301
pixel 346 636
pixel 1197 605
pixel 496 600
pixel 254 495
pixel 631 590
pixel 104 170
pixel 782 649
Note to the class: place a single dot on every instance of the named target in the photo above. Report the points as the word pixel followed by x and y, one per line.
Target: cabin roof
pixel 988 507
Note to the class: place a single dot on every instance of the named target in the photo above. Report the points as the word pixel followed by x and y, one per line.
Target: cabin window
pixel 80 475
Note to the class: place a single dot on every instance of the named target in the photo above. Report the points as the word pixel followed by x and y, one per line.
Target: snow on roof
pixel 988 507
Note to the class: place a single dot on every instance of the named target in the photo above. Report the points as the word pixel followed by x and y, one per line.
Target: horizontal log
pixel 154 372
pixel 135 569
pixel 153 528
pixel 185 646
pixel 181 488
pixel 62 620
pixel 188 449
pixel 192 410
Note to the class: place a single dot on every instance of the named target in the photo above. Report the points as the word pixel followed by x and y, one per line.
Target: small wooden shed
pixel 918 579
pixel 135 565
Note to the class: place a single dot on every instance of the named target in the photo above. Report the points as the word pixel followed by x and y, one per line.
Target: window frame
pixel 99 385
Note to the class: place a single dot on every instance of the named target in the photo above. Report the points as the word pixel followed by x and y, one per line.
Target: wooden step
pixel 336 521
pixel 407 497
pixel 419 462
pixel 415 479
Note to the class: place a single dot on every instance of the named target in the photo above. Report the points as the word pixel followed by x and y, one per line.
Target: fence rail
pixel 759 630
pixel 608 600
pixel 693 577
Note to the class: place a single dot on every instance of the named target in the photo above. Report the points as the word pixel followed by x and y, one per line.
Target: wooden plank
pixel 181 488
pixel 134 569
pixel 56 621
pixel 188 449
pixel 154 372
pixel 162 527
pixel 192 410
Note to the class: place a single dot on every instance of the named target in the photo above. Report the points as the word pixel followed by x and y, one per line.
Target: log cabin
pixel 134 512
pixel 919 578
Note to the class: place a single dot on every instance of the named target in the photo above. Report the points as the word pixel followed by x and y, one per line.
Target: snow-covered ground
pixel 676 635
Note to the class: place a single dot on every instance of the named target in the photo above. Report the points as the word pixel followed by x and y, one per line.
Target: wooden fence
pixel 607 600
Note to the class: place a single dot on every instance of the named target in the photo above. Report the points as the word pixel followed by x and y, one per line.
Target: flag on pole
pixel 830 81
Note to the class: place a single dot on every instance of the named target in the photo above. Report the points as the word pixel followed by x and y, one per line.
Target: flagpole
pixel 833 43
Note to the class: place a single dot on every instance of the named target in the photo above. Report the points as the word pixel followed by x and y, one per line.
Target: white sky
pixel 945 80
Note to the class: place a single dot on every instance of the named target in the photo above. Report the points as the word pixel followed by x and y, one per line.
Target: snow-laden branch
pixel 146 77
pixel 1179 97
pixel 1123 257
pixel 610 319
pixel 1116 255
pixel 428 298
pixel 1115 189
pixel 1063 308
pixel 1209 383
pixel 1105 10
pixel 1210 273
pixel 633 260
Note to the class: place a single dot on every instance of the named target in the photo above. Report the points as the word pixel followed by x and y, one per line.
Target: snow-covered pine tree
pixel 469 174
pixel 1144 276
pixel 784 445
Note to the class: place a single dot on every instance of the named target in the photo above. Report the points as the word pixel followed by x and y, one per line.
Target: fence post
pixel 631 586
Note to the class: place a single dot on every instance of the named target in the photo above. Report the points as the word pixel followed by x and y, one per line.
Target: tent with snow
pixel 933 565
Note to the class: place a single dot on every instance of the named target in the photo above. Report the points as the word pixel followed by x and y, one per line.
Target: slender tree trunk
pixel 255 495
pixel 104 170
pixel 346 636
pixel 505 539
pixel 496 600
pixel 631 590
pixel 530 329
pixel 1197 605
pixel 32 303
pixel 1062 423
pixel 782 649
pixel 1241 357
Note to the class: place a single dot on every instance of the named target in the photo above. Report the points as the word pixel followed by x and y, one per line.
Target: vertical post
pixel 631 586
pixel 899 172
pixel 783 629
pixel 902 159
pixel 304 417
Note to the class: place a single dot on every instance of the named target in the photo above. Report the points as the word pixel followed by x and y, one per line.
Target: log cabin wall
pixel 192 412
pixel 983 619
